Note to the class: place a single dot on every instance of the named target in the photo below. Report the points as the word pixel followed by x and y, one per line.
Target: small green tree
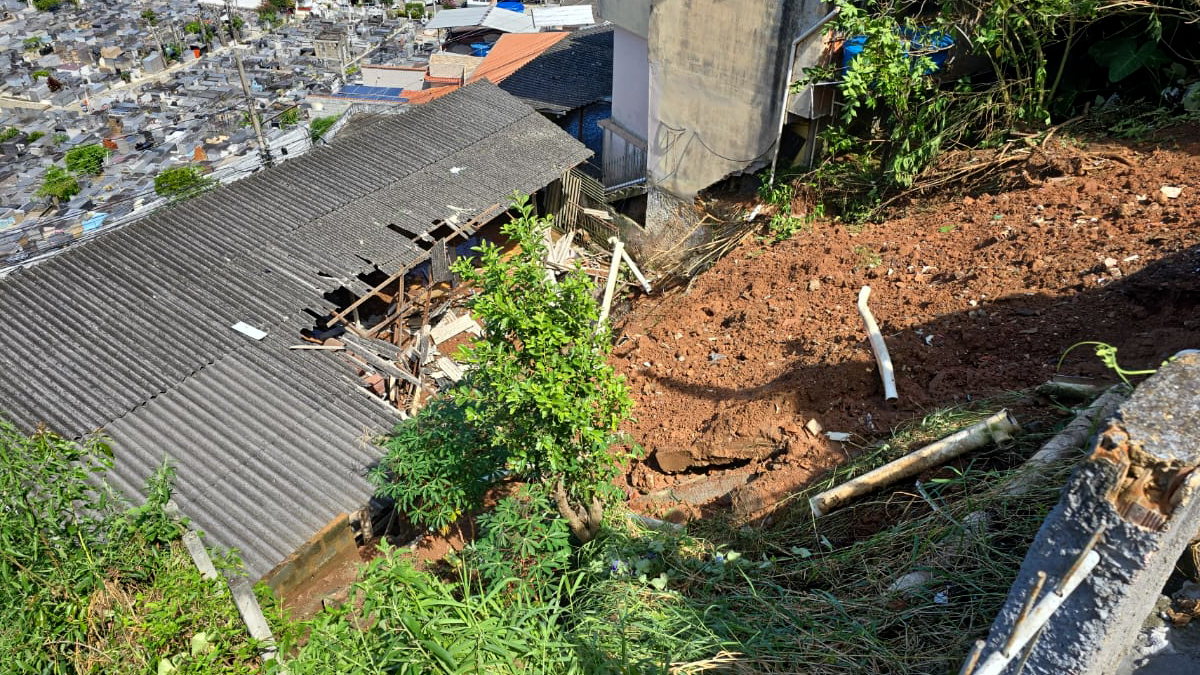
pixel 320 125
pixel 87 159
pixel 47 5
pixel 8 134
pixel 414 10
pixel 150 17
pixel 181 182
pixel 289 118
pixel 541 390
pixel 58 184
pixel 31 43
pixel 39 73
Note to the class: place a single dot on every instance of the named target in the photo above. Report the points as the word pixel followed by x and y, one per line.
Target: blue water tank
pixel 481 48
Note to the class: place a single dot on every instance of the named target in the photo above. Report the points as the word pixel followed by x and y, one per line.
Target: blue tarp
pixel 94 222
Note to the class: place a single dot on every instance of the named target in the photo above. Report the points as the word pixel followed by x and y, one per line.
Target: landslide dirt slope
pixel 975 295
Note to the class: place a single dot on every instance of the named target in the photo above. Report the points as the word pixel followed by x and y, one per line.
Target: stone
pixel 814 285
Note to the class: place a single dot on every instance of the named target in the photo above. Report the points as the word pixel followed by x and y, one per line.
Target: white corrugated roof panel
pixel 248 5
pixel 509 21
pixel 575 15
pixel 459 18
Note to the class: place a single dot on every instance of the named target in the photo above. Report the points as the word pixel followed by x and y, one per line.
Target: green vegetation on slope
pixel 89 584
pixel 798 595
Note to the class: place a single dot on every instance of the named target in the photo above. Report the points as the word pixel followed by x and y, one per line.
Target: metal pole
pixel 263 148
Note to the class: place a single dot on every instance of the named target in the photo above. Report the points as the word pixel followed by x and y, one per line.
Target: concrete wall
pixel 632 15
pixel 1138 485
pixel 631 82
pixel 717 71
pixel 393 76
pixel 332 545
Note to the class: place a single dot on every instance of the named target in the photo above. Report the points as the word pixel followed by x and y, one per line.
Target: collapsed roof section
pixel 131 333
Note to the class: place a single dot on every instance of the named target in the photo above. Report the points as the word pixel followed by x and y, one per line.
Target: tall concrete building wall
pixel 631 82
pixel 717 71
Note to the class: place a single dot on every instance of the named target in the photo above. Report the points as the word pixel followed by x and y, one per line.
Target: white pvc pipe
pixel 1024 632
pixel 636 272
pixel 878 346
pixel 996 428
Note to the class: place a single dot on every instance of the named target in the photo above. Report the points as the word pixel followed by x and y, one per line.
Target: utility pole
pixel 263 148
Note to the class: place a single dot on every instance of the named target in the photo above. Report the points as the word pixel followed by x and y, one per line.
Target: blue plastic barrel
pixel 852 48
pixel 934 44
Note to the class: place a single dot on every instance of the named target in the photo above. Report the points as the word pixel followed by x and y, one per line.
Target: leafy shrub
pixel 88 584
pixel 414 10
pixel 320 125
pixel 435 466
pixel 521 539
pixel 87 159
pixel 8 134
pixel 541 389
pixel 35 135
pixel 180 182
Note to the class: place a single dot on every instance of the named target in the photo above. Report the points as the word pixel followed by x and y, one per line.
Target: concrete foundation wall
pixel 717 71
pixel 1137 485
pixel 332 545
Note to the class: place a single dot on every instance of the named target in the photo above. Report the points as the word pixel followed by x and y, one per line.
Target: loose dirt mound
pixel 974 295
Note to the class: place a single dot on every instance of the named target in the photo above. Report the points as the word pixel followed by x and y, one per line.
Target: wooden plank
pixel 611 286
pixel 467 228
pixel 354 305
pixel 364 350
pixel 426 345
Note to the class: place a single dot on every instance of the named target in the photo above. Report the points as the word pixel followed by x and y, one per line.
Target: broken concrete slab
pixel 1138 486
pixel 702 490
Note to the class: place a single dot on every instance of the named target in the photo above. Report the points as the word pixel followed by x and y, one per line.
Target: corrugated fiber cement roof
pixel 130 333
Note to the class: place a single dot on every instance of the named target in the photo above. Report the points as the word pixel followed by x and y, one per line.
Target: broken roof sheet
pixel 573 15
pixel 508 21
pixel 130 333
